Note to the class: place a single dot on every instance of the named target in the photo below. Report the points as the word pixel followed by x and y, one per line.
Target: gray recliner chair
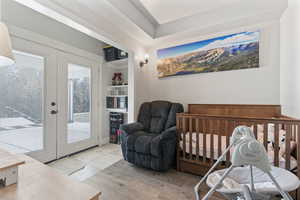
pixel 151 141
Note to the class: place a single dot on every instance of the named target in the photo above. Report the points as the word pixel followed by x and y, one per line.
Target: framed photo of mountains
pixel 230 52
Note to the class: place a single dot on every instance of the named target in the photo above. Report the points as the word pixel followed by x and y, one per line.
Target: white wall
pixel 290 59
pixel 249 86
pixel 23 17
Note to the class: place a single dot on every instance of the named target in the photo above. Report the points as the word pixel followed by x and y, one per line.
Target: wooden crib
pixel 205 130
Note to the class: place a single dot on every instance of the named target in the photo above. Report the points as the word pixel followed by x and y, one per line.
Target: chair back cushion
pixel 144 116
pixel 158 115
pixel 175 108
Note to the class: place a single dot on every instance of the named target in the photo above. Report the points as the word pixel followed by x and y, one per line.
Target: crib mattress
pixel 215 154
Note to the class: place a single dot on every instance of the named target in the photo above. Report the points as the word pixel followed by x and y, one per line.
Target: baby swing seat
pixel 239 176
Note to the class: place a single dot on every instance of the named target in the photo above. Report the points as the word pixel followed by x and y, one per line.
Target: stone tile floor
pixel 87 163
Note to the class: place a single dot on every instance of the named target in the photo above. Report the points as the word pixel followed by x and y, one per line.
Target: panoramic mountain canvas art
pixel 230 52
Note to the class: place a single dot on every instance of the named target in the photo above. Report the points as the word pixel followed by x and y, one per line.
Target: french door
pixel 48 104
pixel 77 108
pixel 28 89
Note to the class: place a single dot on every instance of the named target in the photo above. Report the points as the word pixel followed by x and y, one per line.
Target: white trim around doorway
pixel 65 48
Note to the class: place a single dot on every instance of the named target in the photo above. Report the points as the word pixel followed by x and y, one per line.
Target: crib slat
pixel 219 125
pixel 179 132
pixel 235 124
pixel 184 131
pixel 255 130
pixel 288 147
pixel 211 122
pixel 191 138
pixel 227 129
pixel 266 136
pixel 276 145
pixel 294 132
pixel 197 138
pixel 204 122
pixel 178 122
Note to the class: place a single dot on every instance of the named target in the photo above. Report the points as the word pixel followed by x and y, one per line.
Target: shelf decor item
pixel 230 52
pixel 116 120
pixel 117 102
pixel 117 79
pixel 112 53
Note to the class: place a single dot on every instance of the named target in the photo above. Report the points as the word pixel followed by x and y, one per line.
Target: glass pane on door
pixel 79 103
pixel 21 104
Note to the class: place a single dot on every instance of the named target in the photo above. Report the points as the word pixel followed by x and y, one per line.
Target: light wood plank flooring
pixel 105 169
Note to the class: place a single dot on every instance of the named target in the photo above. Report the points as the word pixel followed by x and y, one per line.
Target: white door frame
pixel 64 59
pixel 50 49
pixel 49 126
pixel 62 47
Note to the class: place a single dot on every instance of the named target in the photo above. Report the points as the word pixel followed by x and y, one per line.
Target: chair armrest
pixel 169 133
pixel 166 135
pixel 131 128
pixel 165 142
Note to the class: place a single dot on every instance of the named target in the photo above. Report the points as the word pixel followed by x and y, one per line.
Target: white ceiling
pixel 165 11
pixel 150 22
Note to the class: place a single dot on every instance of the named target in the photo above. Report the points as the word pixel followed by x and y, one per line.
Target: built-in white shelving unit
pixel 116 94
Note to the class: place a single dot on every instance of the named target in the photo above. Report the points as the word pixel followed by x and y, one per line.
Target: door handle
pixel 54 112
